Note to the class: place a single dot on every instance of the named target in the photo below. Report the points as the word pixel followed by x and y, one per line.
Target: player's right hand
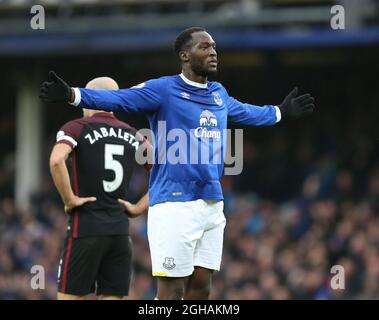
pixel 132 210
pixel 77 202
pixel 55 90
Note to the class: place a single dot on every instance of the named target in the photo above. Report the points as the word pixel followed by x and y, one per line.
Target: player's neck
pixel 99 112
pixel 190 75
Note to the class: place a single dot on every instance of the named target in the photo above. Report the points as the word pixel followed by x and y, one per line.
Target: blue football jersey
pixel 189 122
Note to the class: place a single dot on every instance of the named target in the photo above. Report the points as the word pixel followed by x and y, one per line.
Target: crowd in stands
pixel 306 200
pixel 318 207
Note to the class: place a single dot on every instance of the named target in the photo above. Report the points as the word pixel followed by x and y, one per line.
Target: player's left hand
pixel 297 106
pixel 77 202
pixel 55 90
pixel 132 210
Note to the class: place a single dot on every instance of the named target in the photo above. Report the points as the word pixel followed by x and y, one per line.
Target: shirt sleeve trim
pixel 69 139
pixel 278 114
pixel 78 97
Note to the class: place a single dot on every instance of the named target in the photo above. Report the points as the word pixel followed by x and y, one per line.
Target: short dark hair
pixel 184 37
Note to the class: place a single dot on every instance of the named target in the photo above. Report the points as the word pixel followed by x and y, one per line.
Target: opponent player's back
pixel 103 162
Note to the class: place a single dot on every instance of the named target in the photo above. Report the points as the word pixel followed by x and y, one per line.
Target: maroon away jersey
pixel 103 159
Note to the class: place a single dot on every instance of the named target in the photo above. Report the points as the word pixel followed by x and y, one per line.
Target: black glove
pixel 55 90
pixel 295 107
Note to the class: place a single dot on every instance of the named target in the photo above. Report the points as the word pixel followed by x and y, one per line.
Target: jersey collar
pixel 193 83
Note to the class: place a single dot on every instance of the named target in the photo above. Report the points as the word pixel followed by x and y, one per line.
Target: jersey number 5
pixel 114 165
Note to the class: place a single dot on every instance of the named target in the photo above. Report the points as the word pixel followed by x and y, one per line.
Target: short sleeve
pixel 69 133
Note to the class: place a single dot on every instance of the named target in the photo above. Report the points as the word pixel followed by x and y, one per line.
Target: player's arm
pixel 249 114
pixel 61 177
pixel 143 98
pixel 143 156
pixel 135 210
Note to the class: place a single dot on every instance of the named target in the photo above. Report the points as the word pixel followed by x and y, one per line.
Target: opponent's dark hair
pixel 183 38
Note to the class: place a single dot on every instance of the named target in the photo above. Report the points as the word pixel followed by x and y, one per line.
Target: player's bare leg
pixel 65 296
pixel 199 284
pixel 105 297
pixel 170 288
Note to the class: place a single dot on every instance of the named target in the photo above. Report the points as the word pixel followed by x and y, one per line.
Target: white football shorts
pixel 183 235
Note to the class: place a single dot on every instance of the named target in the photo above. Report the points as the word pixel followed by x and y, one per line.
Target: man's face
pixel 202 54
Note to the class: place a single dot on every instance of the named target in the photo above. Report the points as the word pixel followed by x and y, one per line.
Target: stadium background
pixel 308 197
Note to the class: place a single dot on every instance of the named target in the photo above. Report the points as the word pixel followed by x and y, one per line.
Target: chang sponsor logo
pixel 205 133
pixel 208 124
